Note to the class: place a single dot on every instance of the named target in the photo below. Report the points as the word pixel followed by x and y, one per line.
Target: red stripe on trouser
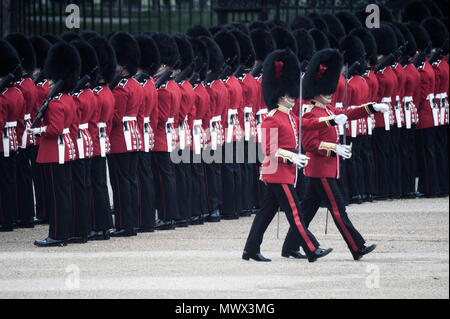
pixel 337 214
pixel 297 218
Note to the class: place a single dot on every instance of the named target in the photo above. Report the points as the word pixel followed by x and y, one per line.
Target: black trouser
pixel 343 174
pixel 354 169
pixel 231 183
pixel 412 159
pixel 101 206
pixel 368 165
pixel 38 182
pixel 184 188
pixel 442 158
pixel 396 170
pixel 120 172
pixel 8 190
pixel 134 182
pixel 327 190
pixel 426 161
pixel 25 197
pixel 165 187
pixel 405 164
pixel 81 185
pixel 146 191
pixel 280 196
pixel 200 202
pixel 213 184
pixel 381 148
pixel 260 186
pixel 58 187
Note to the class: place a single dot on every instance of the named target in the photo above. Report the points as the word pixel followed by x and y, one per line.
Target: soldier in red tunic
pixel 100 127
pixel 56 148
pixel 281 143
pixel 125 136
pixel 11 105
pixel 324 151
pixel 149 64
pixel 25 198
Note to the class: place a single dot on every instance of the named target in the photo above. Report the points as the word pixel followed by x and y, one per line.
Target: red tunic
pixel 424 96
pixel 11 110
pixel 102 118
pixel 319 143
pixel 28 89
pixel 442 73
pixel 57 120
pixel 236 108
pixel 183 122
pixel 387 84
pixel 372 83
pixel 145 121
pixel 411 84
pixel 250 94
pixel 357 95
pixel 397 97
pixel 79 131
pixel 220 101
pixel 201 118
pixel 125 135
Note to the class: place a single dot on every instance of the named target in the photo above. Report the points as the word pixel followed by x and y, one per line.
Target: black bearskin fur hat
pixel 201 57
pixel 320 39
pixel 70 36
pixel 322 74
pixel 106 58
pixel 306 45
pixel 284 39
pixel 262 42
pixel 399 36
pixel 353 49
pixel 247 50
pixel 63 63
pixel 385 38
pixel 150 58
pixel 416 11
pixel 230 48
pixel 411 47
pixel 89 60
pixel 438 32
pixel 86 35
pixel 41 46
pixel 24 49
pixel 281 76
pixel 127 51
pixel 349 21
pixel 420 34
pixel 370 45
pixel 52 38
pixel 335 26
pixel 185 49
pixel 168 49
pixel 302 22
pixel 258 25
pixel 319 22
pixel 10 59
pixel 198 31
pixel 216 58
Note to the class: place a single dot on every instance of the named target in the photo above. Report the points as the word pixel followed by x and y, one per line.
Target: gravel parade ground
pixel 411 260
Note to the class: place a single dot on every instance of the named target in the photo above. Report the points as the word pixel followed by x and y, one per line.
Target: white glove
pixel 381 107
pixel 300 160
pixel 340 119
pixel 344 150
pixel 37 130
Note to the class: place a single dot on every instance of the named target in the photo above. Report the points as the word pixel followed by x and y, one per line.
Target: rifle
pixel 141 77
pixel 164 78
pixel 194 78
pixel 39 78
pixel 6 82
pixel 349 72
pixel 422 56
pixel 437 55
pixel 115 81
pixel 55 91
pixel 183 74
pixel 257 69
pixel 386 61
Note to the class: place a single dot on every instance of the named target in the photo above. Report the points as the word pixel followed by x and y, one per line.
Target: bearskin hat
pixel 322 74
pixel 302 22
pixel 320 39
pixel 370 45
pixel 349 21
pixel 230 48
pixel 201 56
pixel 386 14
pixel 247 50
pixel 150 58
pixel 198 31
pixel 385 38
pixel 306 45
pixel 353 49
pixel 9 57
pixel 262 42
pixel 86 35
pixel 24 49
pixel 52 38
pixel 70 36
pixel 63 63
pixel 41 46
pixel 281 76
pixel 319 23
pixel 279 23
pixel 216 58
pixel 398 34
pixel 127 51
pixel 106 58
pixel 168 49
pixel 334 43
pixel 334 26
pixel 416 11
pixel 411 47
pixel 89 59
pixel 185 49
pixel 443 5
pixel 437 30
pixel 420 34
pixel 284 39
pixel 434 9
pixel 258 25
pixel 241 27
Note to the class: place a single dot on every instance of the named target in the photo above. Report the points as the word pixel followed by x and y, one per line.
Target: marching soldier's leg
pixel 101 207
pixel 199 179
pixel 246 183
pixel 146 193
pixel 181 184
pixel 8 188
pixel 25 203
pixel 228 184
pixel 238 186
pixel 426 159
pixel 412 157
pixel 81 201
pixel 213 189
pixel 405 163
pixel 359 169
pixel 380 147
pixel 397 170
pixel 352 173
pixel 39 188
pixel 134 184
pixel 441 163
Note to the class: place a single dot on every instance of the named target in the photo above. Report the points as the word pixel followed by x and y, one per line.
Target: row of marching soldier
pixel 144 112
